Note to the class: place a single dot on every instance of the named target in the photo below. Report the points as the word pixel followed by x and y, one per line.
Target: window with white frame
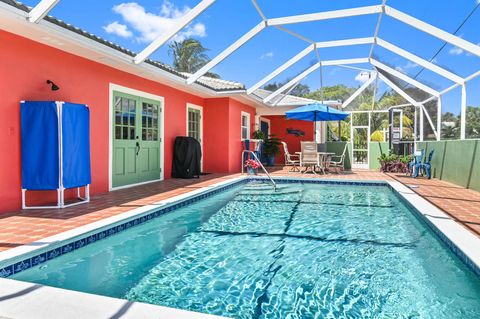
pixel 245 124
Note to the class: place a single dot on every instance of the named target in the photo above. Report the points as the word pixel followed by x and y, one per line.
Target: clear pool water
pixel 305 251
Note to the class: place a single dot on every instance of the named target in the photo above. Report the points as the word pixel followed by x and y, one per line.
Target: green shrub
pixel 393 163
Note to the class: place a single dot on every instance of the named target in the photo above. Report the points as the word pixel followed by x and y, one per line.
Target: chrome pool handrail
pixel 261 165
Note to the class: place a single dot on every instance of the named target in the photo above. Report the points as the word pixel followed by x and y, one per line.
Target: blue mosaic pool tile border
pixel 326 182
pixel 92 238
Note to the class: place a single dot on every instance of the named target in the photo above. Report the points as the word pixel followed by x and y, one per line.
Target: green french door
pixel 136 140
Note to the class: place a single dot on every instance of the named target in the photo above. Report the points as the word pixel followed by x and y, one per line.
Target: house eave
pixel 14 20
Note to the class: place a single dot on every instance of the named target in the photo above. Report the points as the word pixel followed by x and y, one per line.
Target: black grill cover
pixel 187 155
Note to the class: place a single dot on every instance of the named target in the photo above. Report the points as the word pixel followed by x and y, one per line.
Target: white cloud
pixel 148 26
pixel 455 51
pixel 118 29
pixel 362 76
pixel 267 55
pixel 410 65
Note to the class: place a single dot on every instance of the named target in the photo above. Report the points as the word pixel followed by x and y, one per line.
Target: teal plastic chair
pixel 426 167
pixel 417 158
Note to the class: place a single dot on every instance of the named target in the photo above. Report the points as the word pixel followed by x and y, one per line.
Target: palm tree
pixel 189 56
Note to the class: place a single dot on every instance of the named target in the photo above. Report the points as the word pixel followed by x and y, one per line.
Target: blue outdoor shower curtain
pixel 41 145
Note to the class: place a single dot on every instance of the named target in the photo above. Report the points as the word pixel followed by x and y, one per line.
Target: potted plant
pixel 271 148
pixel 252 166
pixel 258 135
pixel 393 163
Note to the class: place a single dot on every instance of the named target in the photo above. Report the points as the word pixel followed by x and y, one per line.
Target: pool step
pixel 262 186
pixel 270 192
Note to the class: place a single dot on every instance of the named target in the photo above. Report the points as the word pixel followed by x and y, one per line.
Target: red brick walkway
pixel 26 226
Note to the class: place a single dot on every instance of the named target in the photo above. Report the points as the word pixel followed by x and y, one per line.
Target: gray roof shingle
pixel 218 85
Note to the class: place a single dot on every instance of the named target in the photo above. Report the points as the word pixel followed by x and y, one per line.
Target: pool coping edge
pixel 24 300
pixel 462 242
pixel 7 256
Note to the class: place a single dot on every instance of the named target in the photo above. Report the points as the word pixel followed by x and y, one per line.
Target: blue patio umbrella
pixel 316 112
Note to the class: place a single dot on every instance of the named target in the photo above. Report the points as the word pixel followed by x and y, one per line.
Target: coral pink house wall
pixel 236 144
pixel 25 65
pixel 278 127
pixel 222 127
pixel 215 124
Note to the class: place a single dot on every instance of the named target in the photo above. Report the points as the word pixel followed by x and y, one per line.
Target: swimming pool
pixel 305 251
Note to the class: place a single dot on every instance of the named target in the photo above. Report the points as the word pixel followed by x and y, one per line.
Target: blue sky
pixel 133 24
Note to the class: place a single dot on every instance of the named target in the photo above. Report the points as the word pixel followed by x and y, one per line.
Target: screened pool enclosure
pixel 418 71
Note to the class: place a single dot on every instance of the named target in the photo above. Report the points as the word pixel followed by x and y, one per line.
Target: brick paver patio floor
pixel 26 226
pixel 462 204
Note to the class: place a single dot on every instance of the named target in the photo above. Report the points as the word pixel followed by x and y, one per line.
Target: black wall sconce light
pixel 54 86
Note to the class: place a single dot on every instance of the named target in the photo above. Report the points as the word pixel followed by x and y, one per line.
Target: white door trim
pixel 200 108
pixel 353 128
pixel 161 100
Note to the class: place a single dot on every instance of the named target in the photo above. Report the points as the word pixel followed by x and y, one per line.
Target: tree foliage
pixel 451 124
pixel 377 136
pixel 189 56
pixel 300 90
pixel 473 122
pixel 336 92
pixel 366 101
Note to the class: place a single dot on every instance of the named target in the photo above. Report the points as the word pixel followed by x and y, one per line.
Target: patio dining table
pixel 324 159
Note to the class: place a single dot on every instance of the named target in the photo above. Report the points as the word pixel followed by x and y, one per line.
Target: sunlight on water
pixel 305 251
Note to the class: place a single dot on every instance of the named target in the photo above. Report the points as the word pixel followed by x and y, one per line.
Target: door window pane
pixel 118 117
pixel 193 124
pixel 118 132
pixel 126 120
pixel 149 122
pixel 125 111
pixel 125 114
pixel 131 104
pixel 118 103
pixel 118 110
